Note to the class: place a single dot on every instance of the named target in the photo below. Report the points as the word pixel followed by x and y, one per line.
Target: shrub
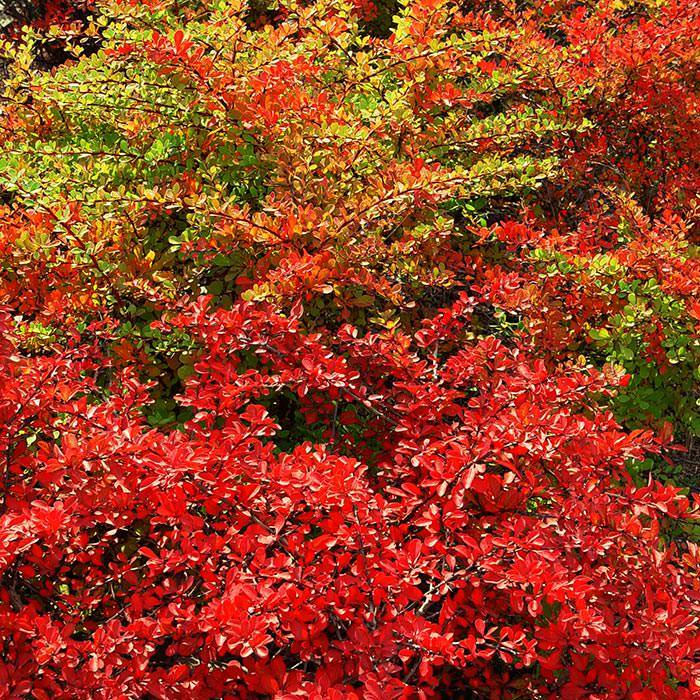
pixel 333 352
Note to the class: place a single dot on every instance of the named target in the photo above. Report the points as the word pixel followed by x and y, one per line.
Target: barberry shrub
pixel 336 340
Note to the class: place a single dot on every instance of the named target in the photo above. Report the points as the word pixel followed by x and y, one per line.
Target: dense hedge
pixel 347 349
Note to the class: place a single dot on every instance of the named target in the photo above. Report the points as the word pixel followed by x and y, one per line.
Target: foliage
pixel 335 350
pixel 56 20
